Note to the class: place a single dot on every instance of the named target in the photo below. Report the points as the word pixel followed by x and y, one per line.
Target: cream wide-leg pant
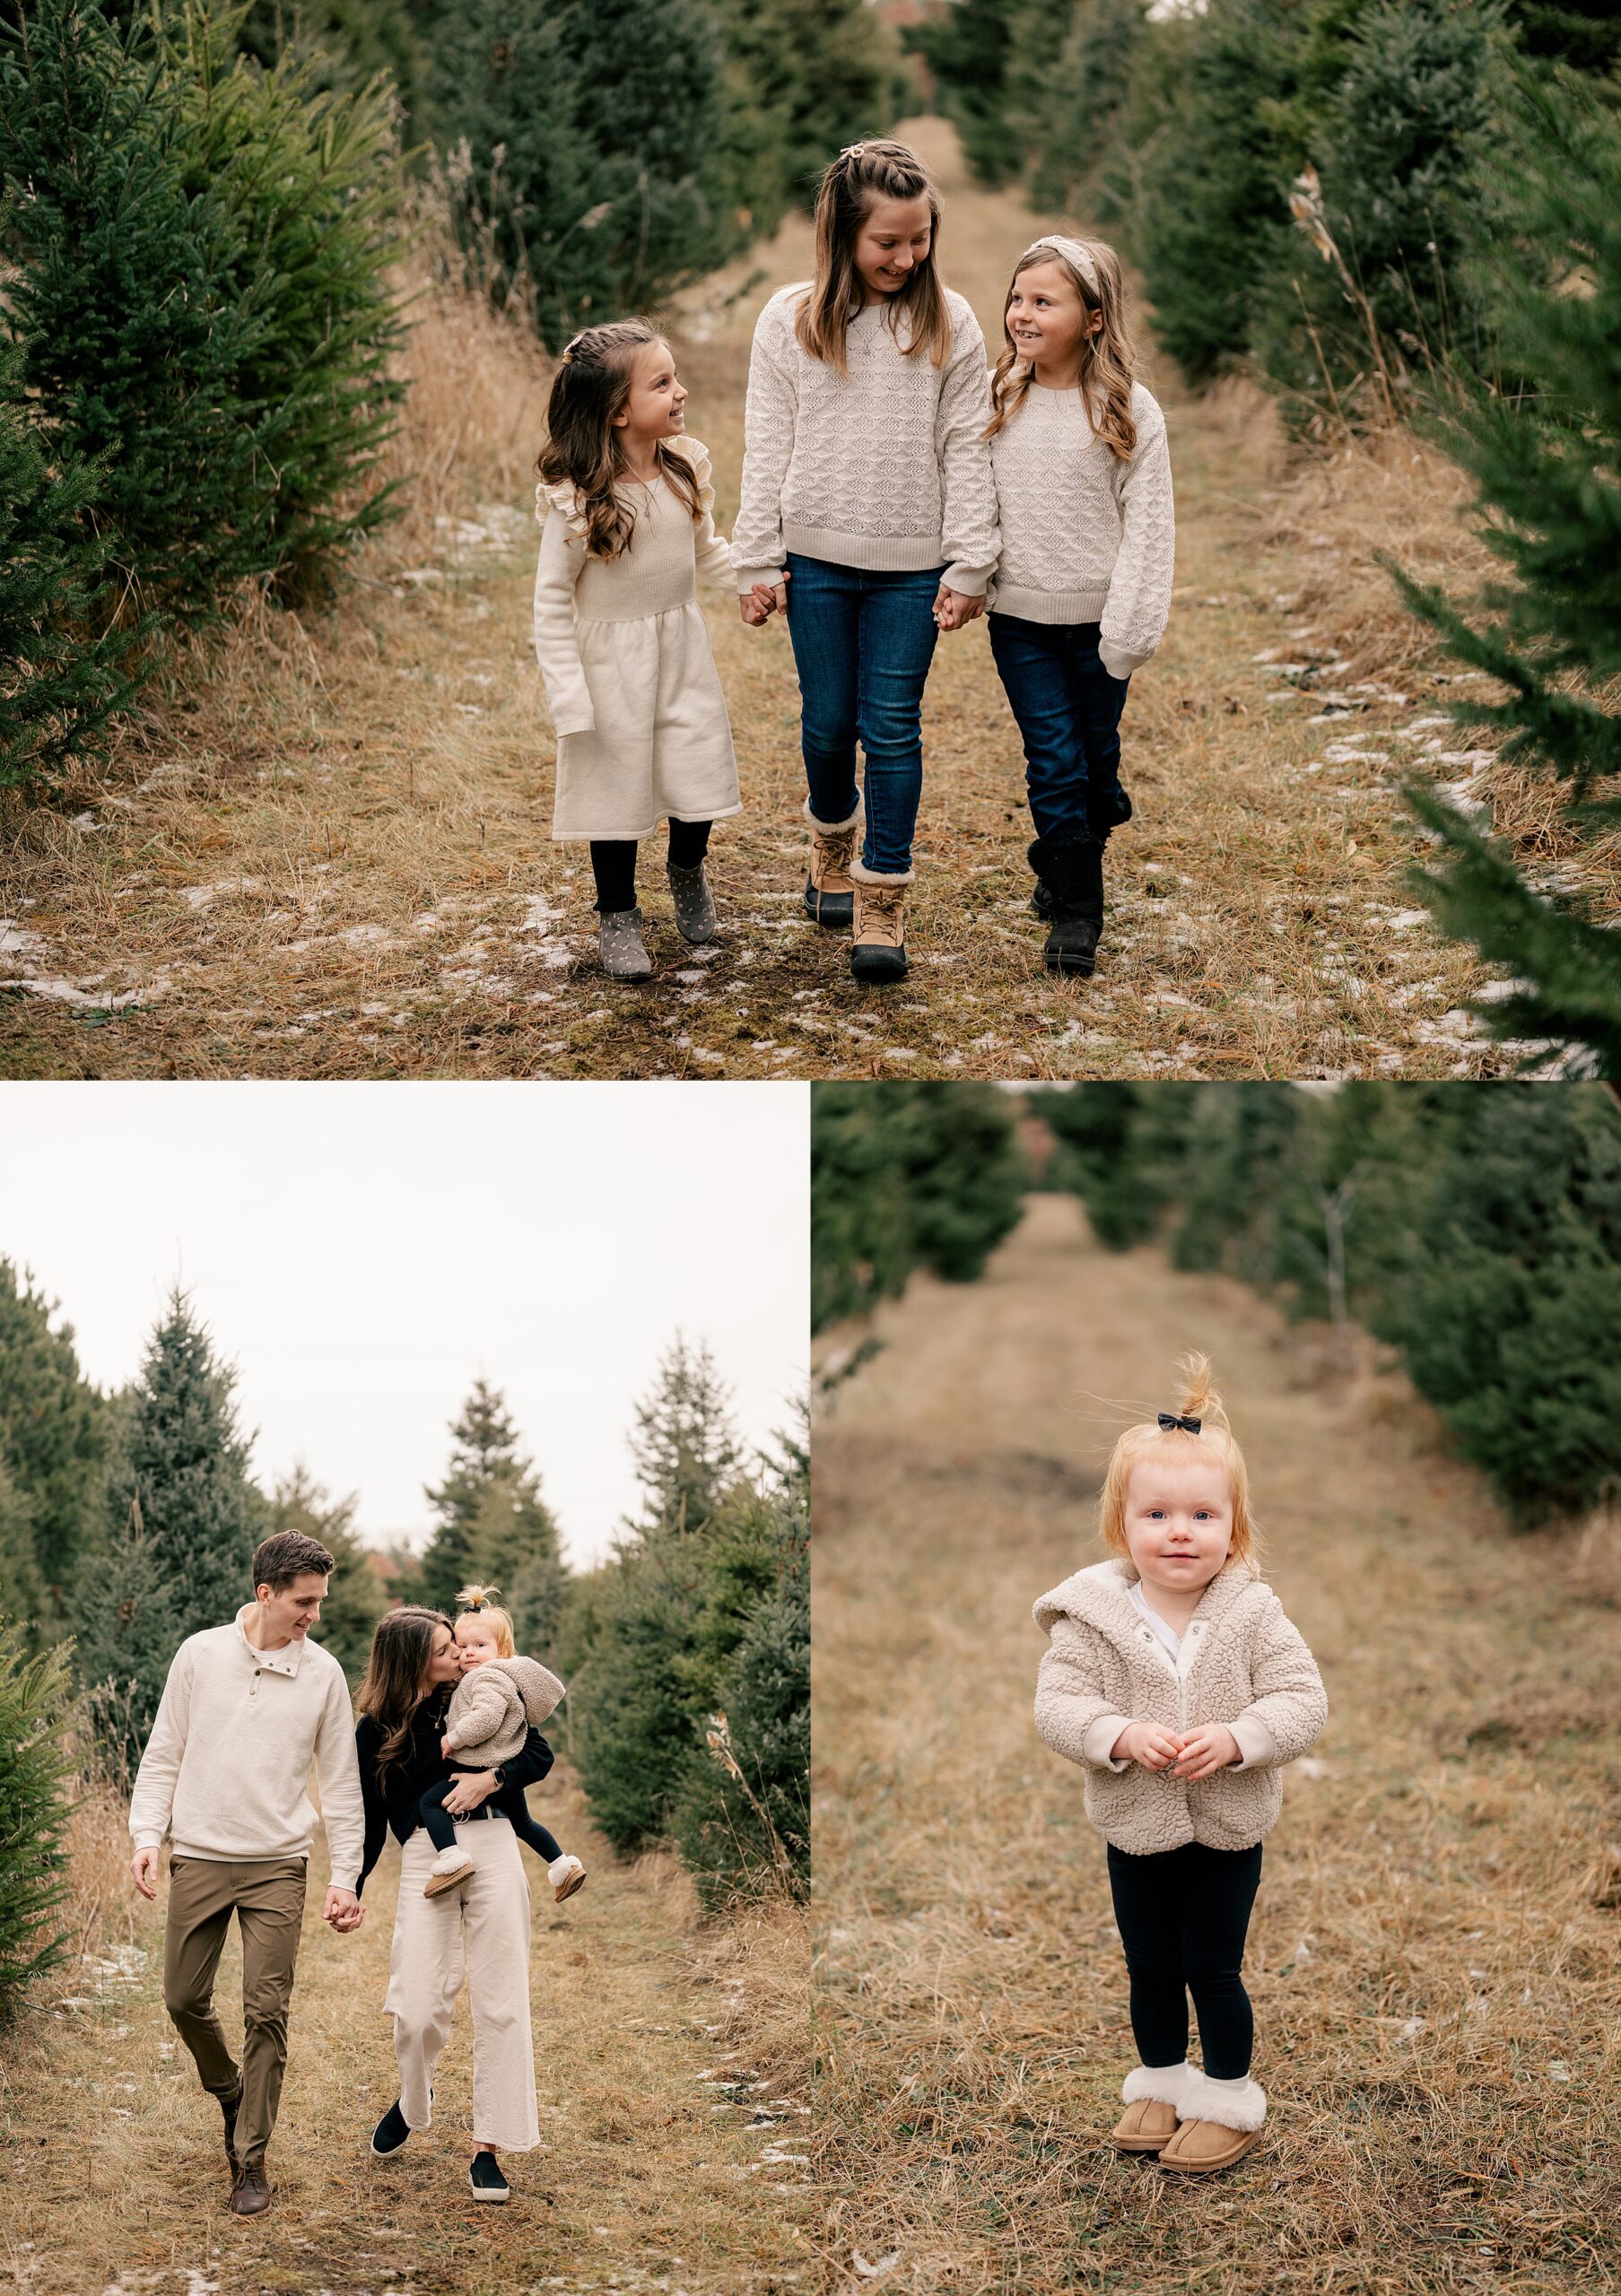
pixel 479 1930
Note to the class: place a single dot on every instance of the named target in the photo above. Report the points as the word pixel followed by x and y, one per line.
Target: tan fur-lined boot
pixel 829 894
pixel 877 952
pixel 1218 2123
pixel 1151 2093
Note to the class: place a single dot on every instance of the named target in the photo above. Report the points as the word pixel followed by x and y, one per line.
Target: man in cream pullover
pixel 248 1709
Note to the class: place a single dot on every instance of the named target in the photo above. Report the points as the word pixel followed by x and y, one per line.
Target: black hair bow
pixel 1168 1420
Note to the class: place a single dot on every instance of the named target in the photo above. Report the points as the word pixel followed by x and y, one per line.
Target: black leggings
pixel 613 862
pixel 1182 1915
pixel 442 1830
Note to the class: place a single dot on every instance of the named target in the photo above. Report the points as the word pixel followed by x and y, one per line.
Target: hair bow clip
pixel 852 152
pixel 1169 1419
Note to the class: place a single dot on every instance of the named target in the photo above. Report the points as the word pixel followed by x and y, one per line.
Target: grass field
pixel 325 850
pixel 674 2103
pixel 1432 1959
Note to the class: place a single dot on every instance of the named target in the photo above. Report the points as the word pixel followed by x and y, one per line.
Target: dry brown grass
pixel 652 2175
pixel 326 851
pixel 1433 1954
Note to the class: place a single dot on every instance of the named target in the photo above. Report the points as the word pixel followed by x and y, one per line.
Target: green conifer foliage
pixel 354 1599
pixel 493 1525
pixel 803 78
pixel 1544 464
pixel 684 1443
pixel 185 1465
pixel 54 1431
pixel 126 1615
pixel 610 187
pixel 966 47
pixel 35 1697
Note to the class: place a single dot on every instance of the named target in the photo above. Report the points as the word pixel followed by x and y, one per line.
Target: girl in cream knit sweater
pixel 868 516
pixel 1173 1678
pixel 1082 589
pixel 626 510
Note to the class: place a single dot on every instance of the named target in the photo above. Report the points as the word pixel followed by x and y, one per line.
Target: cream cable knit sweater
pixel 1241 1663
pixel 885 469
pixel 227 1765
pixel 1085 537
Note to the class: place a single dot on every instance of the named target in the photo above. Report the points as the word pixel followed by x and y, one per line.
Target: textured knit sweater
pixel 1085 537
pixel 227 1766
pixel 493 1706
pixel 885 468
pixel 1241 1663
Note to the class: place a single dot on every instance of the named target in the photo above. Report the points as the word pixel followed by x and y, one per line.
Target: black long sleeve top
pixel 392 1803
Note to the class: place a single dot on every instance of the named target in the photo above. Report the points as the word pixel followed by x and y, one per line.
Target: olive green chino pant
pixel 267 1896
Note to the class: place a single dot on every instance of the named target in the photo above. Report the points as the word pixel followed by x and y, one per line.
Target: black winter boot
pixel 1070 865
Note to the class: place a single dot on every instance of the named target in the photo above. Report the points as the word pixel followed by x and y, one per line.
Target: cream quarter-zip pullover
pixel 226 1769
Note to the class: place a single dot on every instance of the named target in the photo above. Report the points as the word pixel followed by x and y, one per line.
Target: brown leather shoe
pixel 1200 2146
pixel 230 2106
pixel 829 891
pixel 877 948
pixel 250 2194
pixel 1146 2127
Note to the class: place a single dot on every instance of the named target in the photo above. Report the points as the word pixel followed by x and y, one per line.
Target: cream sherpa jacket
pixel 492 1709
pixel 1241 1663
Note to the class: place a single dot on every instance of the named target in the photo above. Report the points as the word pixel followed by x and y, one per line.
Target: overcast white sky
pixel 363 1252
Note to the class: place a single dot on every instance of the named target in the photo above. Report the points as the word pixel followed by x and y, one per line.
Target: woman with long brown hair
pixel 869 516
pixel 479 1929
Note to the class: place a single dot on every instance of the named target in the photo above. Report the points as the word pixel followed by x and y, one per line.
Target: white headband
pixel 1071 250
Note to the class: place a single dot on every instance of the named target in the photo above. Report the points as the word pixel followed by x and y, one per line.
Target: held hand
pixel 1204 1751
pixel 472 1788
pixel 143 1871
pixel 343 1909
pixel 954 609
pixel 1147 1743
pixel 765 599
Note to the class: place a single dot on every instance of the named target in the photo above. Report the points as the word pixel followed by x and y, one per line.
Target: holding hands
pixel 954 609
pixel 762 601
pixel 1188 1755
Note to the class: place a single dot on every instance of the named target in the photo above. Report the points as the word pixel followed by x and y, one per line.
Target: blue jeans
pixel 1068 712
pixel 863 643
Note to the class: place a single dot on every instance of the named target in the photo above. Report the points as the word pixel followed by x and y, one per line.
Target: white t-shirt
pixel 1168 1635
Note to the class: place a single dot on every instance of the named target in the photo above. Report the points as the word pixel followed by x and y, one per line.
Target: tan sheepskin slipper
pixel 1145 2127
pixel 1218 2125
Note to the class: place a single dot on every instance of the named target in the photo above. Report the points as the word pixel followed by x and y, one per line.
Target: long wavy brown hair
pixel 589 388
pixel 863 172
pixel 1108 358
pixel 396 1675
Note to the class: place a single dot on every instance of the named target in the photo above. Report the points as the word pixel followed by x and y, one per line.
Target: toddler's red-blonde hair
pixel 474 1602
pixel 1215 1440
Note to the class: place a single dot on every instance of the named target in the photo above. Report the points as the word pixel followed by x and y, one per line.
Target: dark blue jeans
pixel 862 644
pixel 1068 711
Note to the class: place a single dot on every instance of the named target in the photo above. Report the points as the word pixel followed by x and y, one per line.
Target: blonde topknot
pixel 474 1603
pixel 1197 1399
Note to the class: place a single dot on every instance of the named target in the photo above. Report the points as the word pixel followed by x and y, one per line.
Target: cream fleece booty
pixel 1225 2102
pixel 1164 2083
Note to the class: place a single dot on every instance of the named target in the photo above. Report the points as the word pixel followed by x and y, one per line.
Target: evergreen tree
pixel 1081 71
pixel 1120 1150
pixel 803 78
pixel 126 1617
pixel 61 679
pixel 184 1472
pixel 35 1695
pixel 355 1600
pixel 54 1431
pixel 23 1597
pixel 684 1444
pixel 493 1525
pixel 966 47
pixel 1544 464
pixel 608 117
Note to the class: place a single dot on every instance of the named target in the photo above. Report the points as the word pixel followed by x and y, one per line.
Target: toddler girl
pixel 869 516
pixel 498 1696
pixel 626 512
pixel 1176 1681
pixel 1083 588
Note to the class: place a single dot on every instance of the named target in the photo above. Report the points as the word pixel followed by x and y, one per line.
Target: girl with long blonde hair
pixel 1175 1680
pixel 626 509
pixel 868 517
pixel 1082 592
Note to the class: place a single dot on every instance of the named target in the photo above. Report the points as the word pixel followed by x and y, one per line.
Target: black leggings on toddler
pixel 614 862
pixel 510 1801
pixel 1182 1915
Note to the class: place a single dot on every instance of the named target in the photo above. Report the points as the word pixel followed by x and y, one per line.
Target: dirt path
pixel 673 2111
pixel 1433 1957
pixel 338 863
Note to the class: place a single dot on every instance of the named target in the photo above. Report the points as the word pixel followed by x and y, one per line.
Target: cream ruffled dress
pixel 642 731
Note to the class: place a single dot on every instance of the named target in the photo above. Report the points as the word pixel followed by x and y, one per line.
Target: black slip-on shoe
pixel 485 2179
pixel 390 2132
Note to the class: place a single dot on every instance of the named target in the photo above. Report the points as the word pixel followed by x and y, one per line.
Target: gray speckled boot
pixel 620 944
pixel 695 917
